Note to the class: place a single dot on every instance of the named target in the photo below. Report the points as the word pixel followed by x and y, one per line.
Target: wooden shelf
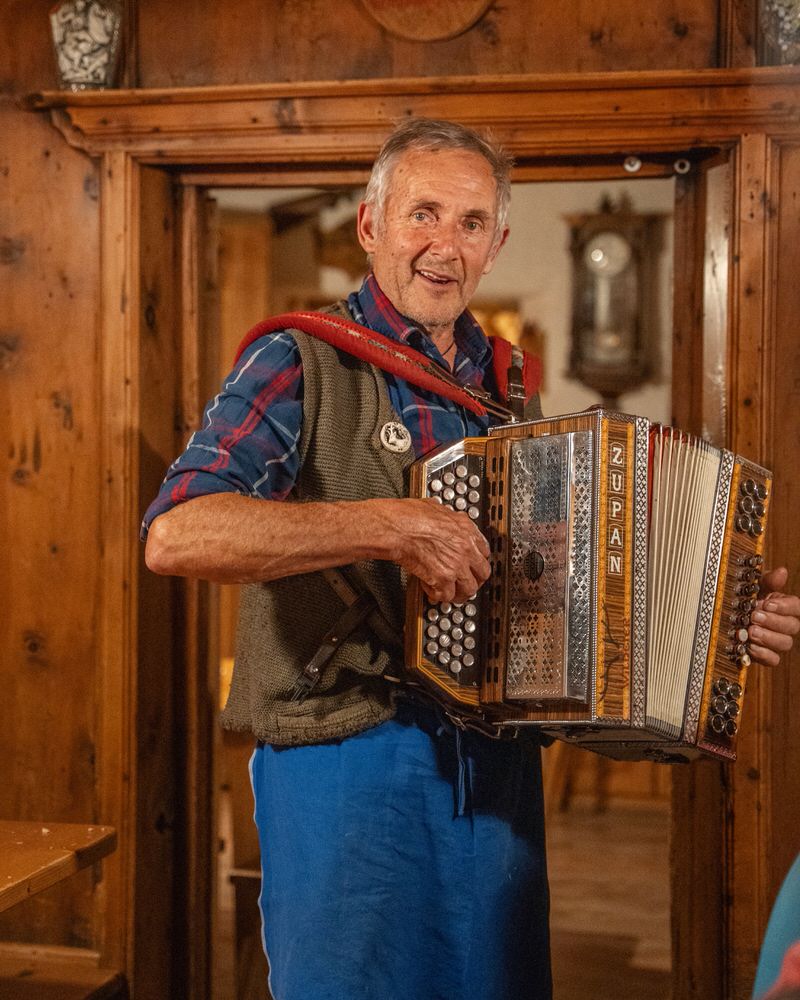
pixel 34 856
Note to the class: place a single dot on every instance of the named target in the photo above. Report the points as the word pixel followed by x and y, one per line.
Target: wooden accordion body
pixel 625 565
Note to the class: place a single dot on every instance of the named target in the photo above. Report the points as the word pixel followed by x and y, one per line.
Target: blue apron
pixel 404 863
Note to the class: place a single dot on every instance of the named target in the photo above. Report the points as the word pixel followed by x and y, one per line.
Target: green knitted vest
pixel 282 623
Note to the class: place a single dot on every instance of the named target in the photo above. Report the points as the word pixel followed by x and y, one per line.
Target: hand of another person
pixel 441 547
pixel 775 620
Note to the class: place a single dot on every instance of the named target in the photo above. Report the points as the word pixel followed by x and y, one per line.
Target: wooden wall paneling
pixel 253 42
pixel 50 517
pixel 747 795
pixel 687 298
pixel 701 316
pixel 738 33
pixel 783 432
pixel 119 557
pixel 137 653
pixel 159 733
pixel 198 678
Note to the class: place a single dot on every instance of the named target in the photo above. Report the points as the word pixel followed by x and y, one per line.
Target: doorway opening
pixel 280 249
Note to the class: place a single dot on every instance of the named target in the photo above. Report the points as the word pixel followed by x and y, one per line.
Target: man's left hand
pixel 776 619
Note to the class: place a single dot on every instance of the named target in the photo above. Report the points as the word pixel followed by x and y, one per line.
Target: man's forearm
pixel 229 538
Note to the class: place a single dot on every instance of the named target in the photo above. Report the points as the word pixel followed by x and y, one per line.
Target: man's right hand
pixel 441 547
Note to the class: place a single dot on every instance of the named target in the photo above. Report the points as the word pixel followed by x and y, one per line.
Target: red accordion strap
pixel 396 358
pixel 501 362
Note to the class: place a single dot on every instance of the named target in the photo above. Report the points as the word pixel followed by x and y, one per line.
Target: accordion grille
pixel 551 520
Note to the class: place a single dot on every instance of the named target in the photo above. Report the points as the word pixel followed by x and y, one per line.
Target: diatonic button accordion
pixel 625 565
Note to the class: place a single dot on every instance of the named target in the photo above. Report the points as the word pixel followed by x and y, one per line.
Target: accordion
pixel 625 564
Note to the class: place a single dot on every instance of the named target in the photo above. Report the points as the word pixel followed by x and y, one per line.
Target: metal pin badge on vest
pixel 395 437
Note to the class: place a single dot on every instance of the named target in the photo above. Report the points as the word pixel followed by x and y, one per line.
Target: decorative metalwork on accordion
pixel 708 600
pixel 625 560
pixel 639 630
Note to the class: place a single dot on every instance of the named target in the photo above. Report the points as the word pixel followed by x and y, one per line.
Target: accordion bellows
pixel 625 565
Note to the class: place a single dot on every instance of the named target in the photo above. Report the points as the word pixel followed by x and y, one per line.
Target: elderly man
pixel 401 857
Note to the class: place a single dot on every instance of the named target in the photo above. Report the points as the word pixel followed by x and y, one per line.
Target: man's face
pixel 437 235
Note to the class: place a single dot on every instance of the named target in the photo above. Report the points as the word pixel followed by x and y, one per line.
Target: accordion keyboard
pixel 452 634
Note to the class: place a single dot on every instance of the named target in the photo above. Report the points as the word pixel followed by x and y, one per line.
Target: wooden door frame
pixel 328 133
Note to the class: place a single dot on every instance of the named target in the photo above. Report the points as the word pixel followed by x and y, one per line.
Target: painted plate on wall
pixel 426 20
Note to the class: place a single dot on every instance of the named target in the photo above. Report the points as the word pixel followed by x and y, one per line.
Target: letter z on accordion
pixel 625 564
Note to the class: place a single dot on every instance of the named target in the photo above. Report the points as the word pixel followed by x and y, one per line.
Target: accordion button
pixel 455 667
pixel 743 660
pixel 432 648
pixel 444 640
pixel 730 728
pixel 449 495
pixel 456 649
pixel 469 625
pixel 717 723
pixel 719 704
pixel 461 503
pixel 457 617
pixel 741 634
pixel 443 657
pixel 743 522
pixel 448 479
pixel 732 710
pixel 474 513
pixel 469 642
pixel 445 608
pixel 432 615
pixel 721 685
pixel 461 471
pixel 761 491
pixel 437 499
pixel 735 691
pixel 746 505
pixel 468 660
pixel 435 486
pixel 756 528
pixel 461 488
pixel 470 610
pixel 432 631
pixel 749 487
pixel 474 481
pixel 444 624
pixel 457 634
pixel 759 509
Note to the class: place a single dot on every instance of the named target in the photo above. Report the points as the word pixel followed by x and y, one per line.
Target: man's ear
pixel 495 251
pixel 366 227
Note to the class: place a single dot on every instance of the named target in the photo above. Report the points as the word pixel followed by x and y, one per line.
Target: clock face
pixel 607 254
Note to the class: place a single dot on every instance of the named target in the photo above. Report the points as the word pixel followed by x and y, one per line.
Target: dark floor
pixel 609 881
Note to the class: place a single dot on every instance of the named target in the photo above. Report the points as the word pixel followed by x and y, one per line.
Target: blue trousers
pixel 405 863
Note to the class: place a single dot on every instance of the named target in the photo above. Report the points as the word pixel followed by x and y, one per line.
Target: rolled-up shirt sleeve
pixel 248 439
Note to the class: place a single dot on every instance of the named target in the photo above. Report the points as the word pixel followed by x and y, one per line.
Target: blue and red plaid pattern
pixel 249 436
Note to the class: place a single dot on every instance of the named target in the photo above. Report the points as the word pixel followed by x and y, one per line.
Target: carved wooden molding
pixel 347 121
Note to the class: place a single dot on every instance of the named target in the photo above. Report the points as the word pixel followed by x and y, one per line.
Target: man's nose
pixel 445 239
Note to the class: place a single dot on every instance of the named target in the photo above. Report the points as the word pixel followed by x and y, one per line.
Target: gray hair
pixel 429 134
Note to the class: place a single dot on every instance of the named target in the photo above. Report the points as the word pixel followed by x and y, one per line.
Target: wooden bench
pixel 28 972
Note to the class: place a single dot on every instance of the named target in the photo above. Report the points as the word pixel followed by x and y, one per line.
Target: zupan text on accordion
pixel 626 558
